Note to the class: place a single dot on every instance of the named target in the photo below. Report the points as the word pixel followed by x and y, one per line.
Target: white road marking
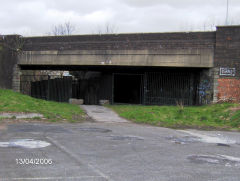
pixel 25 143
pixel 75 157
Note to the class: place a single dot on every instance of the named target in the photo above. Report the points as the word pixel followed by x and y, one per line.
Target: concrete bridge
pixel 150 49
pixel 210 58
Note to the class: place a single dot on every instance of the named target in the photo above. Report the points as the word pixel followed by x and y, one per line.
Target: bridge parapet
pixel 164 57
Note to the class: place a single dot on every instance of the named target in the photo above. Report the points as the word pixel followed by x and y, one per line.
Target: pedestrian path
pixel 102 114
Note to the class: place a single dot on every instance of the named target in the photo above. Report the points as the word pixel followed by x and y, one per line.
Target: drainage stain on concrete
pixel 128 137
pixel 94 129
pixel 225 160
pixel 24 143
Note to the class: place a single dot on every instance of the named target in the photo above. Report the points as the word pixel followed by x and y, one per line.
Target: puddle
pixel 211 139
pixel 98 130
pixel 225 160
pixel 183 140
pixel 20 115
pixel 129 138
pixel 221 144
pixel 24 143
pixel 195 139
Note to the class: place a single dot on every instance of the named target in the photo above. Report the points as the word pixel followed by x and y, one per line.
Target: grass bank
pixel 216 116
pixel 53 111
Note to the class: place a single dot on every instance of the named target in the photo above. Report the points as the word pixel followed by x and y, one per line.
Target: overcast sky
pixel 37 17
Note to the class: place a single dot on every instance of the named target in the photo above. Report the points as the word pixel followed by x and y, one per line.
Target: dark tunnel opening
pixel 128 88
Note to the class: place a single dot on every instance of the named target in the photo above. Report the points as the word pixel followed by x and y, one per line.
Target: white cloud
pixel 36 17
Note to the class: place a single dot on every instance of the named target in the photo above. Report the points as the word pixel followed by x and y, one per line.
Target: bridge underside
pixel 115 84
pixel 161 76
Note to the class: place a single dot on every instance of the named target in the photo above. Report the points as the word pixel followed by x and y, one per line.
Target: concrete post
pixel 215 84
pixel 16 78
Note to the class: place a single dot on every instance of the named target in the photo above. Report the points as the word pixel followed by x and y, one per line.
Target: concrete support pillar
pixel 215 84
pixel 16 78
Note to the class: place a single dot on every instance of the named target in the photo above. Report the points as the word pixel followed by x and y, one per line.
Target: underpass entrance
pixel 119 85
pixel 128 88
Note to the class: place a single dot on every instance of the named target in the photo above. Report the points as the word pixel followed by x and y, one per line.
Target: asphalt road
pixel 116 151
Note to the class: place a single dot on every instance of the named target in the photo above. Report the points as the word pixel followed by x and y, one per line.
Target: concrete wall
pixel 149 49
pixel 227 64
pixel 8 61
pixel 163 57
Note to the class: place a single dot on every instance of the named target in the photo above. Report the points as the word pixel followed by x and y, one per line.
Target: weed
pixel 180 106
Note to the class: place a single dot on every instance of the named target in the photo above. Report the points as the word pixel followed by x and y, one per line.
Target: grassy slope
pixel 15 102
pixel 219 116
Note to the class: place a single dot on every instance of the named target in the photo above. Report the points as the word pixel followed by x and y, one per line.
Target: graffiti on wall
pixel 205 91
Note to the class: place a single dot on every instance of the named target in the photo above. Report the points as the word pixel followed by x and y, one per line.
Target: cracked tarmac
pixel 118 151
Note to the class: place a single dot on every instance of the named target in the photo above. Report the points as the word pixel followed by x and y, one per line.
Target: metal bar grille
pixel 42 87
pixel 168 88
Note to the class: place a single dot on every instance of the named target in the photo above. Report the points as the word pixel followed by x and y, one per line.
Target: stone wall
pixel 227 63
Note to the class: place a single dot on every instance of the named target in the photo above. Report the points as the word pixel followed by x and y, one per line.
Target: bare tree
pixel 108 28
pixel 209 24
pixel 14 43
pixel 63 29
pixel 69 28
